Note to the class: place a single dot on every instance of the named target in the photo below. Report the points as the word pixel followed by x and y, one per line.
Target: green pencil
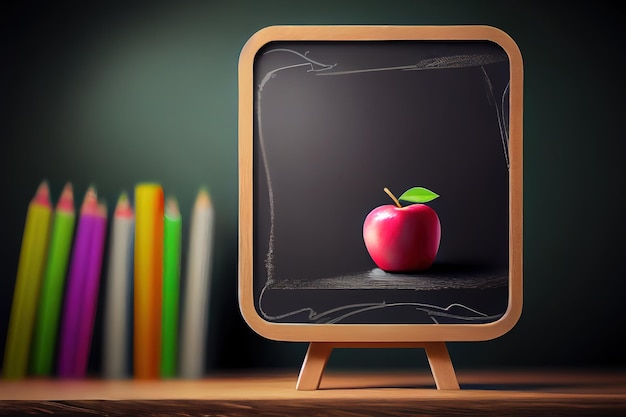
pixel 46 324
pixel 171 284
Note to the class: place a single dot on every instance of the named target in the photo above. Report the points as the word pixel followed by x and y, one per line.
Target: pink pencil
pixel 83 273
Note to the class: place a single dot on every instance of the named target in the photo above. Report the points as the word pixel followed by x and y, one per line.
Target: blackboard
pixel 329 117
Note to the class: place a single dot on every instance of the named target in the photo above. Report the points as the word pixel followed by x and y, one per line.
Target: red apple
pixel 403 238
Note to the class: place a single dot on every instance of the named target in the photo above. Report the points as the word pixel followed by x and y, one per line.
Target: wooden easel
pixel 318 353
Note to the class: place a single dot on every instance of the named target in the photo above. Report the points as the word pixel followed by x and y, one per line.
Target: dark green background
pixel 113 93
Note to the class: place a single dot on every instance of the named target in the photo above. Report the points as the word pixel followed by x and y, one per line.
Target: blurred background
pixel 114 93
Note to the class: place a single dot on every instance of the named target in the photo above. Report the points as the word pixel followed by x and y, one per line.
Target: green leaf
pixel 418 195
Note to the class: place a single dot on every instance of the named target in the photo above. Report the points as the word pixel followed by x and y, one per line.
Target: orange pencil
pixel 29 275
pixel 148 279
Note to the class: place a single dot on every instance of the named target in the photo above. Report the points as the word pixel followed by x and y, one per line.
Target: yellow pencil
pixel 26 293
pixel 148 278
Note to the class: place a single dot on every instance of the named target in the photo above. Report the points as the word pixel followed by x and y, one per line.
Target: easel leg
pixel 441 365
pixel 318 353
pixel 313 366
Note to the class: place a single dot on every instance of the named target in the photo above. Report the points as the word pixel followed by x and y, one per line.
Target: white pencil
pixel 118 316
pixel 195 303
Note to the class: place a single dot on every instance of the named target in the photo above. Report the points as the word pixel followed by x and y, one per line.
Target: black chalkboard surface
pixel 329 117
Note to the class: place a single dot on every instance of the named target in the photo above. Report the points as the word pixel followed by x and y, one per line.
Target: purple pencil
pixel 90 293
pixel 74 292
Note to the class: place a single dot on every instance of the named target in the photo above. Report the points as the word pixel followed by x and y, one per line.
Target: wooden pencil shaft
pixel 90 295
pixel 148 276
pixel 25 296
pixel 171 280
pixel 51 298
pixel 195 305
pixel 117 317
pixel 75 288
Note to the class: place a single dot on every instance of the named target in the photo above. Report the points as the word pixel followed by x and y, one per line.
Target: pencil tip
pixel 42 195
pixel 43 186
pixel 171 206
pixel 66 201
pixel 123 208
pixel 68 190
pixel 102 209
pixel 203 197
pixel 91 197
pixel 92 189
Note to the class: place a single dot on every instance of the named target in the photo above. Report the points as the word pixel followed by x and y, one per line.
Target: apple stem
pixel 393 197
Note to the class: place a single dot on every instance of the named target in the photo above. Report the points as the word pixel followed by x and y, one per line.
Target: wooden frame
pixel 377 333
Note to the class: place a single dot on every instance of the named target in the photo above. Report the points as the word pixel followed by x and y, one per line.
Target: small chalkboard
pixel 330 117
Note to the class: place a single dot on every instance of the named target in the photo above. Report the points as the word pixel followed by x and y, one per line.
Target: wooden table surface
pixel 488 393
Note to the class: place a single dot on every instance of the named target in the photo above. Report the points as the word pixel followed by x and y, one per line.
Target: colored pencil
pixel 117 317
pixel 27 284
pixel 51 297
pixel 81 290
pixel 197 285
pixel 148 279
pixel 171 281
pixel 91 290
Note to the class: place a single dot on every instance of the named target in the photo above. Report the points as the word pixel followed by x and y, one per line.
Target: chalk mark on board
pixel 314 66
pixel 456 61
pixel 434 312
pixel 504 130
pixel 453 61
pixel 443 62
